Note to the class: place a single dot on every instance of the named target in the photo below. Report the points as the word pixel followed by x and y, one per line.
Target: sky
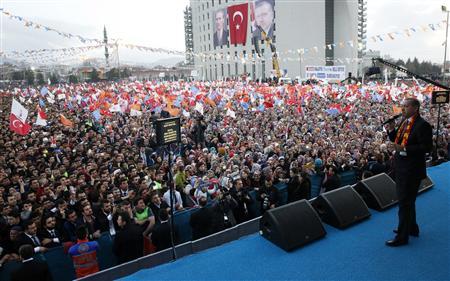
pixel 160 24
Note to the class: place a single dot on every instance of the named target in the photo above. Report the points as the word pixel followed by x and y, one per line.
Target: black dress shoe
pixel 396 243
pixel 412 233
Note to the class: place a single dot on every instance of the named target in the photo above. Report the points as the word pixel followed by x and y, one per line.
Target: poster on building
pixel 262 16
pixel 238 22
pixel 220 36
pixel 328 73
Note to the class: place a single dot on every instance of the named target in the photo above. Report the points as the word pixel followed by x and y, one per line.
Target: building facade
pixel 304 33
pixel 188 36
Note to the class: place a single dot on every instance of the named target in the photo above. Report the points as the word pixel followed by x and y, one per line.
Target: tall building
pixel 304 33
pixel 362 30
pixel 188 36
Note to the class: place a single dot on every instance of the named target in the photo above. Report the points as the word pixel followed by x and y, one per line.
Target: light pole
pixel 444 9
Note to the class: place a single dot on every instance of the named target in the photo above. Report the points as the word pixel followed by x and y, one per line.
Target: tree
pixel 73 79
pixel 40 78
pixel 125 73
pixel 17 75
pixel 400 62
pixel 112 74
pixel 416 66
pixel 393 74
pixel 29 76
pixel 94 75
pixel 54 78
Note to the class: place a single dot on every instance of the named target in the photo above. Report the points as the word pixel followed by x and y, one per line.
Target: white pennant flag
pixel 231 113
pixel 134 112
pixel 186 114
pixel 19 111
pixel 115 108
pixel 41 119
pixel 199 108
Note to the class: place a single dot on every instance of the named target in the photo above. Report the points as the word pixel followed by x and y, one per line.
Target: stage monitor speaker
pixel 425 184
pixel 292 225
pixel 379 192
pixel 341 207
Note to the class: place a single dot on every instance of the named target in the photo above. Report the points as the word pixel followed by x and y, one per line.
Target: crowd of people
pixel 95 166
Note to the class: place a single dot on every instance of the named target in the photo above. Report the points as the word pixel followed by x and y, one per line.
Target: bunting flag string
pixel 354 43
pixel 39 52
pixel 31 24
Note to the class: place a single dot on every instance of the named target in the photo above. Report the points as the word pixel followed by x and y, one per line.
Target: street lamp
pixel 444 9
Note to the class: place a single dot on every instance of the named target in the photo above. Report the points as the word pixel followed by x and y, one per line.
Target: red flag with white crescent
pixel 238 19
pixel 17 126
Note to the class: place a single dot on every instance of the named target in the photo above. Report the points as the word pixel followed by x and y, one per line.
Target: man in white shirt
pixel 177 201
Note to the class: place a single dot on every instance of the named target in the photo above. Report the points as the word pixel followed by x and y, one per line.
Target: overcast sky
pixel 160 23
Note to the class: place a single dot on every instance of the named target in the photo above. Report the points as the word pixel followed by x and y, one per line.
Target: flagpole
pixel 444 9
pixel 118 60
pixel 172 194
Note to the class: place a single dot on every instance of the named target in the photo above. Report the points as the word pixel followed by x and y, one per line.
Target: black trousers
pixel 407 189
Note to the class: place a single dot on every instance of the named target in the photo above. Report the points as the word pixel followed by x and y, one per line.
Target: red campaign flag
pixel 17 126
pixel 238 19
pixel 268 104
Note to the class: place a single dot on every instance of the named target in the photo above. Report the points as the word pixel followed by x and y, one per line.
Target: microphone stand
pixel 172 194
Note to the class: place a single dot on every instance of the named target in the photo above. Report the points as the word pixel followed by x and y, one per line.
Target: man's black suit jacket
pixel 44 234
pixel 161 236
pixel 420 142
pixel 201 223
pixel 223 41
pixel 129 243
pixel 32 270
pixel 102 221
pixel 25 240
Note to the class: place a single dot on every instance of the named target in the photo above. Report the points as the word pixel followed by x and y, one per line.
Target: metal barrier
pixel 182 250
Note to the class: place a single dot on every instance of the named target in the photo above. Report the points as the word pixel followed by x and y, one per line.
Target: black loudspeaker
pixel 341 207
pixel 292 225
pixel 379 192
pixel 425 184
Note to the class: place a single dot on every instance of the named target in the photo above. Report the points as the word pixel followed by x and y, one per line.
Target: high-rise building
pixel 304 33
pixel 188 36
pixel 362 30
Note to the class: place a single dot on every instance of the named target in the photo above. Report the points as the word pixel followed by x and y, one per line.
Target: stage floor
pixel 356 253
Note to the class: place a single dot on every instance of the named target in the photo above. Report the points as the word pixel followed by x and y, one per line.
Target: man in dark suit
pixel 31 269
pixel 201 221
pixel 220 37
pixel 157 204
pixel 264 19
pixel 29 237
pixel 105 218
pixel 412 140
pixel 128 243
pixel 161 233
pixel 49 236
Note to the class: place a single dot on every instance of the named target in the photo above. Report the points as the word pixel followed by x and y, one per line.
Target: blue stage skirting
pixel 356 253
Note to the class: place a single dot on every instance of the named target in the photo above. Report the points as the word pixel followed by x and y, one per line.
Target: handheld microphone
pixel 391 119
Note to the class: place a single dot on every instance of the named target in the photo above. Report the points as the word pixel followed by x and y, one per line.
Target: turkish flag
pixel 238 19
pixel 17 126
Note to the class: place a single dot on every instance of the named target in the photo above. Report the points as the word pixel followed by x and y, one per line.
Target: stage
pixel 356 253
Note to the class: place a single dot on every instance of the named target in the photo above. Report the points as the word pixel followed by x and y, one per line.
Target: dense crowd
pixel 104 163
